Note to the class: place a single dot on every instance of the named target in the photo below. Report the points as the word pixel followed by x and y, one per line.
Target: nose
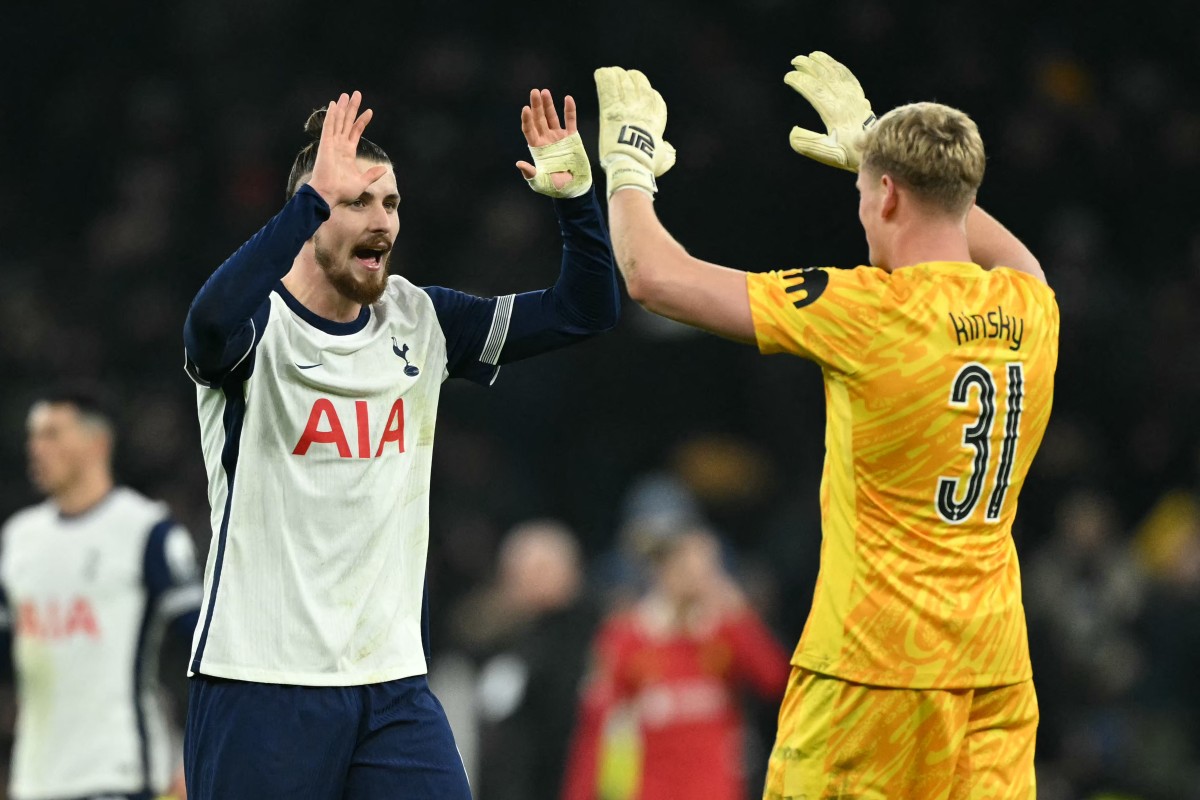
pixel 379 221
pixel 35 451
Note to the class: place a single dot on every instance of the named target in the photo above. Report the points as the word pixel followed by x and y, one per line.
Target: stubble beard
pixel 50 484
pixel 341 275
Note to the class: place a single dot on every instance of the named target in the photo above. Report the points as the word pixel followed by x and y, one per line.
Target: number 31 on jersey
pixel 978 435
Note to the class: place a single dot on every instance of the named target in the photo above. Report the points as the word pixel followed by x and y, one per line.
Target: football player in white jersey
pixel 92 579
pixel 319 375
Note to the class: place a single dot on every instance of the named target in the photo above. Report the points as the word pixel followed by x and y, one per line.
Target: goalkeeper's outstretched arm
pixel 658 272
pixel 837 96
pixel 663 278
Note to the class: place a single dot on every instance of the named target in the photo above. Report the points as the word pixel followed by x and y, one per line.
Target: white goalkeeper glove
pixel 565 155
pixel 633 117
pixel 838 97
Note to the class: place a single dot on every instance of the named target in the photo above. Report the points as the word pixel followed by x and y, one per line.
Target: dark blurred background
pixel 143 142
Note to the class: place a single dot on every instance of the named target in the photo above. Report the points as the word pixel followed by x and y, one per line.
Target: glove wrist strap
pixel 626 172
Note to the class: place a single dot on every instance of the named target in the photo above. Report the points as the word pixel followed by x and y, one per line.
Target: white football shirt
pixel 318 447
pixel 87 599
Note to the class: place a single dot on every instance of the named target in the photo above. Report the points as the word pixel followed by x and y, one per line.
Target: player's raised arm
pixel 583 302
pixel 993 245
pixel 838 97
pixel 220 331
pixel 659 273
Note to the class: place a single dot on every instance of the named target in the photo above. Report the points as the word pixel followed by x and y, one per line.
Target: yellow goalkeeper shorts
pixel 839 739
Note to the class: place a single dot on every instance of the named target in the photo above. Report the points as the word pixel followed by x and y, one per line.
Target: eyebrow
pixel 369 195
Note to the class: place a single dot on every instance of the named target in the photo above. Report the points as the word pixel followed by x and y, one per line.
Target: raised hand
pixel 336 176
pixel 839 99
pixel 633 117
pixel 539 123
pixel 560 165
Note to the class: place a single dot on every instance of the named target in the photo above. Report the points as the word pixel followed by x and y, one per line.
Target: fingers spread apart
pixel 342 120
pixel 539 119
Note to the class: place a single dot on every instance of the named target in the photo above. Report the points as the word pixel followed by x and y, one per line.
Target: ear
pixel 103 445
pixel 891 197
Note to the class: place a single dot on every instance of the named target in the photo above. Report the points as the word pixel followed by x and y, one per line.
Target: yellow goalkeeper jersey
pixel 939 379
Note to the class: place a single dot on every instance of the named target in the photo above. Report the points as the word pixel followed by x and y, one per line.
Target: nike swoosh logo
pixel 307 366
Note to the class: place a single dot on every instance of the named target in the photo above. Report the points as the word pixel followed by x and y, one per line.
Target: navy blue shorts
pixel 375 742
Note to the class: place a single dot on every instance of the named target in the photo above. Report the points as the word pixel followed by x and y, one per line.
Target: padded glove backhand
pixel 838 97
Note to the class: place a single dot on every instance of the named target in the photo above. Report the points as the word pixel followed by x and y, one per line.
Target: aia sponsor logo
pixel 325 427
pixel 55 619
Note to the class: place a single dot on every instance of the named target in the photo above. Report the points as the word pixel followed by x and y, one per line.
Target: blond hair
pixel 933 150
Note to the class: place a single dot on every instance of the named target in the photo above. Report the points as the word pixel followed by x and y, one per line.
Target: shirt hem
pixel 251 675
pixel 890 680
pixel 87 789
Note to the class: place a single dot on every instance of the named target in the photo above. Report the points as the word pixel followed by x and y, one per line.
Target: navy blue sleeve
pixel 172 581
pixel 466 320
pixel 583 302
pixel 6 626
pixel 226 319
pixel 483 333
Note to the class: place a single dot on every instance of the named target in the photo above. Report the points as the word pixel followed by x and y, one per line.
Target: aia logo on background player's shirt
pixel 52 619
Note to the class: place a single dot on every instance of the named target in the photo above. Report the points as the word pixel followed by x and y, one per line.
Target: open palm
pixel 539 123
pixel 336 176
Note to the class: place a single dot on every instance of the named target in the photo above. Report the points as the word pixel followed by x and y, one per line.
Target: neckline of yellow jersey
pixel 971 268
pixel 943 266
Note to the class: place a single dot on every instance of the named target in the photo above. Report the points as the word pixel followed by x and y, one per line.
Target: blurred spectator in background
pixel 92 578
pixel 530 630
pixel 675 661
pixel 1164 751
pixel 655 506
pixel 1084 591
pixel 717 481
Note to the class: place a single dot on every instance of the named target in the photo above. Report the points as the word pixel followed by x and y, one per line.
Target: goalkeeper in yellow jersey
pixel 912 678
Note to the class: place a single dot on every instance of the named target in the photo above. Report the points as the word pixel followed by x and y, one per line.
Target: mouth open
pixel 371 258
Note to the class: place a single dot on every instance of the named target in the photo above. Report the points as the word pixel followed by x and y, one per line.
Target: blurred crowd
pixel 136 161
